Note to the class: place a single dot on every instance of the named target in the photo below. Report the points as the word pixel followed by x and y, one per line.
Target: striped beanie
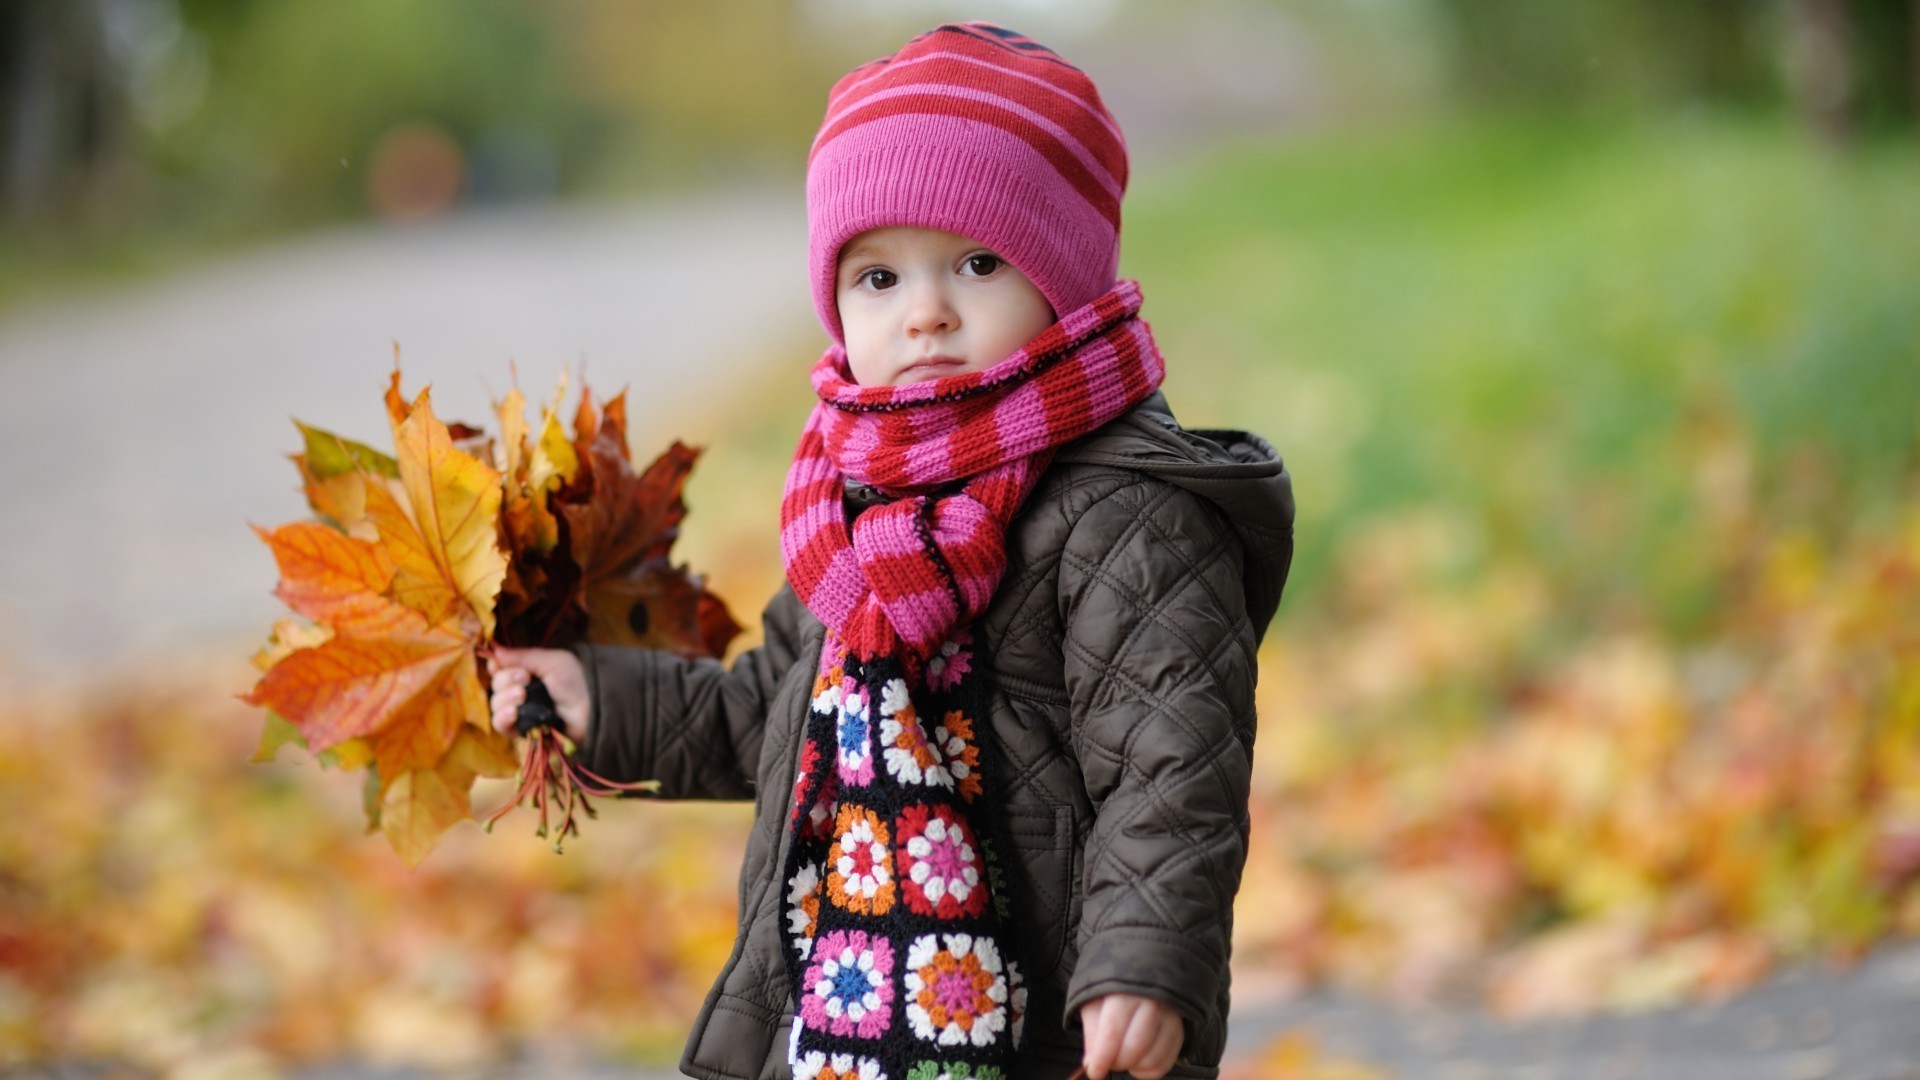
pixel 976 130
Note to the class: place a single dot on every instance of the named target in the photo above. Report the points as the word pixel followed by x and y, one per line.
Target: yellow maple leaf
pixel 454 501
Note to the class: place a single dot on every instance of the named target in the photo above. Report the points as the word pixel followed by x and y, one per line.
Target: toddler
pixel 1000 728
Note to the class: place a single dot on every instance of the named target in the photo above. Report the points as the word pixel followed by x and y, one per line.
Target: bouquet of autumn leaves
pixel 419 561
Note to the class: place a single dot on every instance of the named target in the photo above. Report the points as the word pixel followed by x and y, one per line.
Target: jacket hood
pixel 1238 471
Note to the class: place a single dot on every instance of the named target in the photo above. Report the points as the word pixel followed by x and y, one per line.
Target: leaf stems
pixel 556 785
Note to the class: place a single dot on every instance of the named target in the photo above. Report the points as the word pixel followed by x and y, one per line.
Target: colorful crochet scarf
pixel 895 891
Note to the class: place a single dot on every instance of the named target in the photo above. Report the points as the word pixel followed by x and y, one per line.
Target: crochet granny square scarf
pixel 895 889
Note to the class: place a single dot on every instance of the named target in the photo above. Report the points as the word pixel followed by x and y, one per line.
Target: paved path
pixel 141 428
pixel 1805 1023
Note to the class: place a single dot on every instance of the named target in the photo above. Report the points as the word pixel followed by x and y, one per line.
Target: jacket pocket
pixel 1041 885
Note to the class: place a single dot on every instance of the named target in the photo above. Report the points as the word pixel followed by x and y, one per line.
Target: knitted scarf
pixel 895 891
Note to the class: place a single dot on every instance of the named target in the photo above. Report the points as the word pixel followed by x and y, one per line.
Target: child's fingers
pixel 1165 1050
pixel 1101 1046
pixel 1164 1035
pixel 506 706
pixel 1137 1041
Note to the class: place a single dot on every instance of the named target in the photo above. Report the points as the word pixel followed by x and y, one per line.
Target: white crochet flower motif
pixel 912 757
pixel 862 860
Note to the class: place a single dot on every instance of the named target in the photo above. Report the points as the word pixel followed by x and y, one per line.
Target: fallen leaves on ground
pixel 169 906
pixel 1461 798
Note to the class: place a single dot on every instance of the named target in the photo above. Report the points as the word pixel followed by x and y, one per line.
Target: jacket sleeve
pixel 696 726
pixel 1160 666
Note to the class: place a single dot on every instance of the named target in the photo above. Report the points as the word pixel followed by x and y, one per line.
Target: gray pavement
pixel 1807 1022
pixel 142 427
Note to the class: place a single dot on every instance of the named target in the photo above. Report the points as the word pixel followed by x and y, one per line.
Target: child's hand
pixel 1132 1033
pixel 558 668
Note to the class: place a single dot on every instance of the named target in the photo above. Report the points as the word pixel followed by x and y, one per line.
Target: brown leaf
pixel 622 535
pixel 586 424
pixel 714 624
pixel 658 606
pixel 613 423
pixel 628 518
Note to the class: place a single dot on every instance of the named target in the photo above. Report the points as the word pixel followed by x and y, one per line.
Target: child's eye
pixel 983 264
pixel 878 278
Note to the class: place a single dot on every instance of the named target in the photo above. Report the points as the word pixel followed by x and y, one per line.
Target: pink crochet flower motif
pixel 940 867
pixel 848 988
pixel 957 995
pixel 955 658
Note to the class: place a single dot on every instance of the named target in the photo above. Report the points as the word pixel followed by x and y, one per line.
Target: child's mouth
pixel 932 366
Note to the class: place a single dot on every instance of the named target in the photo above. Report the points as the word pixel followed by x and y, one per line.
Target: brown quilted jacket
pixel 1141 573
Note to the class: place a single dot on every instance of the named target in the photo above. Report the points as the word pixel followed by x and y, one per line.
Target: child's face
pixel 919 304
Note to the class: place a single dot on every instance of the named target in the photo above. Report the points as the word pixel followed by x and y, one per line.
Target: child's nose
pixel 930 310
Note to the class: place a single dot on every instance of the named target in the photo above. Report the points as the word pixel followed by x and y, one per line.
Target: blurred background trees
pixel 246 115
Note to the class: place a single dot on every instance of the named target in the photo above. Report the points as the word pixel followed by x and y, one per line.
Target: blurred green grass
pixel 1541 328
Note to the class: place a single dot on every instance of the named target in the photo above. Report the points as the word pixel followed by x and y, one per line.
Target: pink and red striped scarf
pixel 959 455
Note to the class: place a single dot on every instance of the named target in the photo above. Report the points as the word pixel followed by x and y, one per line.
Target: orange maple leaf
pixel 386 665
pixel 324 573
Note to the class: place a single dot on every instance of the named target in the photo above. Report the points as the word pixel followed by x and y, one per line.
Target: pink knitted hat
pixel 979 131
